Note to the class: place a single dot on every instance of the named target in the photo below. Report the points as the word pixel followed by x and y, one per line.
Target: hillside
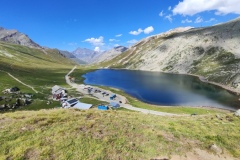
pixel 75 134
pixel 212 52
pixel 38 68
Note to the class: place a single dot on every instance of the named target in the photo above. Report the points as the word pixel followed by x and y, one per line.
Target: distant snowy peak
pixel 85 54
pixel 91 56
pixel 110 54
pixel 71 56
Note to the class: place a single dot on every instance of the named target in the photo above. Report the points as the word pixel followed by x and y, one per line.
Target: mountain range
pixel 212 52
pixel 91 56
pixel 80 55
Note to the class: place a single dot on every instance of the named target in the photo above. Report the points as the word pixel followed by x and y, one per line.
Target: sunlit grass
pixel 74 134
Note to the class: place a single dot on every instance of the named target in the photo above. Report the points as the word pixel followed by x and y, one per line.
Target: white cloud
pixel 72 44
pixel 187 21
pixel 161 14
pixel 97 49
pixel 169 17
pixel 192 7
pixel 198 20
pixel 116 45
pixel 211 20
pixel 95 41
pixel 139 31
pixel 169 8
pixel 145 31
pixel 118 35
pixel 148 30
pixel 132 41
pixel 113 40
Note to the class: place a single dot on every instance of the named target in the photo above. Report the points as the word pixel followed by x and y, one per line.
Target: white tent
pixel 82 106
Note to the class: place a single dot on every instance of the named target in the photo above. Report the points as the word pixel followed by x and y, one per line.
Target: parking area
pixel 101 94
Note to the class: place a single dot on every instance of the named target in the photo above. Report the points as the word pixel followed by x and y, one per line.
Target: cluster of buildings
pixel 61 95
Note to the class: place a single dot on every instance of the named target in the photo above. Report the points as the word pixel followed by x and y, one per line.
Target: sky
pixel 103 24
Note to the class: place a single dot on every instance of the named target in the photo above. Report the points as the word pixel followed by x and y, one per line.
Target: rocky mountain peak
pixel 85 54
pixel 15 37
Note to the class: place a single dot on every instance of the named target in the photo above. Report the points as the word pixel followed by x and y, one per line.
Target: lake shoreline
pixel 201 78
pixel 155 105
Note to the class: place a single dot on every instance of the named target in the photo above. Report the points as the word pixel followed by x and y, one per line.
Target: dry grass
pixel 74 134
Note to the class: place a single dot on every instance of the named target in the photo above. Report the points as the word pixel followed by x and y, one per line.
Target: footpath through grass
pixel 92 134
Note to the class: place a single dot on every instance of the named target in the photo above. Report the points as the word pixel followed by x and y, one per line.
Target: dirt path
pixel 21 82
pixel 81 88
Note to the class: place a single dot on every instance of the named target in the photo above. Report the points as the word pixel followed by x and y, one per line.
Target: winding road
pixel 80 88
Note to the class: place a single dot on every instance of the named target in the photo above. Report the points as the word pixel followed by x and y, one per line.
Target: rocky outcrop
pixel 212 52
pixel 237 113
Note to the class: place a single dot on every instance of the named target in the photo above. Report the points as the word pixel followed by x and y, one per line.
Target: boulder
pixel 14 89
pixel 216 149
pixel 237 113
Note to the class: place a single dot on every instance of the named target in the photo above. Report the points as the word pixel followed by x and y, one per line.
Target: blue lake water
pixel 164 89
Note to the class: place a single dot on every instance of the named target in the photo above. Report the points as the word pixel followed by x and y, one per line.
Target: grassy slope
pixel 35 68
pixel 74 134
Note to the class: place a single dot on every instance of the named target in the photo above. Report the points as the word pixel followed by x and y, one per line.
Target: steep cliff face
pixel 212 52
pixel 15 37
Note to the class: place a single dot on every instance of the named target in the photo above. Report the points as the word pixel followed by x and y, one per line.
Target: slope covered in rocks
pixel 212 52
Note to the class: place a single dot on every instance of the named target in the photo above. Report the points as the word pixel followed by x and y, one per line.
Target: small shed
pixel 104 108
pixel 114 104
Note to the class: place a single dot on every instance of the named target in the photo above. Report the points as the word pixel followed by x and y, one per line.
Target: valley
pixel 43 130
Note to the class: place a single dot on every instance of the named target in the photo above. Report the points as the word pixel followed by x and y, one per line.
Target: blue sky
pixel 103 24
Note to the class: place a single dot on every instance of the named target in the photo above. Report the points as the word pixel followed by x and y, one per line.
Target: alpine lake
pixel 165 89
